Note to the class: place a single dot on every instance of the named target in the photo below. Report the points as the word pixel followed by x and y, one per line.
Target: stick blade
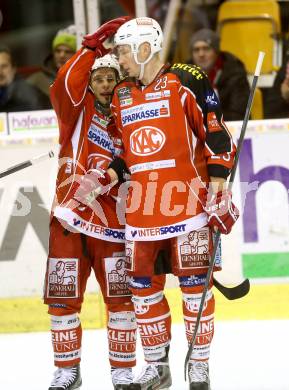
pixel 235 292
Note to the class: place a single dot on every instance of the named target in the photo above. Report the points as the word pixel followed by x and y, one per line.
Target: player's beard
pixel 103 107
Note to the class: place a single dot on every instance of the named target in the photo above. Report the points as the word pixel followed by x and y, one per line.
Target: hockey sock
pixel 121 334
pixel 66 335
pixel 191 302
pixel 154 322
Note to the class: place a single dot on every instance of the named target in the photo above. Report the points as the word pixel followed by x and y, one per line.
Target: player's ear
pixel 145 50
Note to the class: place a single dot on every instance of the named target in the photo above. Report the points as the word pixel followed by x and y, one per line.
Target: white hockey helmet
pixel 107 61
pixel 140 30
pixel 137 31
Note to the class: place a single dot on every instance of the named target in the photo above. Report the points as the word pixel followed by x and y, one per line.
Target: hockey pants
pixel 71 258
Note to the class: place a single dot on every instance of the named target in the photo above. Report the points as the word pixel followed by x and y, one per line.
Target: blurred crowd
pixel 195 41
pixel 32 93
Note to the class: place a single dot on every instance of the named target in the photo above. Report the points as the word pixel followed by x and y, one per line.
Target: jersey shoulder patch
pixel 128 83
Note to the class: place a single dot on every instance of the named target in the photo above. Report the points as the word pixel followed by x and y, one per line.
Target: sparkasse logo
pixel 146 140
pixel 145 112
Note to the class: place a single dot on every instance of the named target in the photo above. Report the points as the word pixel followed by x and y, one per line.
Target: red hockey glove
pixel 222 213
pixel 95 41
pixel 94 183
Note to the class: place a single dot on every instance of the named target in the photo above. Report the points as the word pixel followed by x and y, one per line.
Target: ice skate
pixel 199 376
pixel 154 376
pixel 122 378
pixel 66 378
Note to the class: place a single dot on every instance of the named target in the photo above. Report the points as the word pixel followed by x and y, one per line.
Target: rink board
pixel 262 191
pixel 264 302
pixel 257 247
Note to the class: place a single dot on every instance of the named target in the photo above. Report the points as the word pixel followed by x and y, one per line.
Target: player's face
pixel 126 61
pixel 102 82
pixel 204 56
pixel 61 54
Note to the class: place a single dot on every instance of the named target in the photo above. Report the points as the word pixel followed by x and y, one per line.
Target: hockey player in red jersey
pixel 82 238
pixel 179 153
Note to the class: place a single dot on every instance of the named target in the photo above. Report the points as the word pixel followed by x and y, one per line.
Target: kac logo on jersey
pixel 146 140
pixel 145 111
pixel 97 160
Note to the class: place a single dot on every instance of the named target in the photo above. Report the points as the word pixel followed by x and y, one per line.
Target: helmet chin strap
pixel 142 64
pixel 141 73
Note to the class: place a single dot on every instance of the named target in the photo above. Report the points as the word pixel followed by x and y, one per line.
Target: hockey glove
pixel 95 182
pixel 95 41
pixel 222 213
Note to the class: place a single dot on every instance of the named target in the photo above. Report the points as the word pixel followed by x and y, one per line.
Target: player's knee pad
pixel 144 304
pixel 145 296
pixel 66 339
pixel 191 304
pixel 192 288
pixel 121 334
pixel 154 323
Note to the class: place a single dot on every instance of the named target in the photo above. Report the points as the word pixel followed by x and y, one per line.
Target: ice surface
pixel 245 355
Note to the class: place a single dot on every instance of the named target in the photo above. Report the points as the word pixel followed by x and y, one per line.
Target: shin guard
pixel 66 335
pixel 121 334
pixel 154 323
pixel 191 303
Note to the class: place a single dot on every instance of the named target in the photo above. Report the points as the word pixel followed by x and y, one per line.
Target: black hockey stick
pixel 25 164
pixel 235 292
pixel 218 234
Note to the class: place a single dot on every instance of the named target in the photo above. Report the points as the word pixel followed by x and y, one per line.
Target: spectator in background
pixel 226 73
pixel 63 48
pixel 15 93
pixel 277 99
pixel 192 18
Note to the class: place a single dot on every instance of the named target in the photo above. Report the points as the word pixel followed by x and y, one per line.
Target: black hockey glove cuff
pixel 218 170
pixel 120 168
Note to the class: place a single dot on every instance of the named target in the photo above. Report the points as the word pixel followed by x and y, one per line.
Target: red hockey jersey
pixel 174 138
pixel 84 144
